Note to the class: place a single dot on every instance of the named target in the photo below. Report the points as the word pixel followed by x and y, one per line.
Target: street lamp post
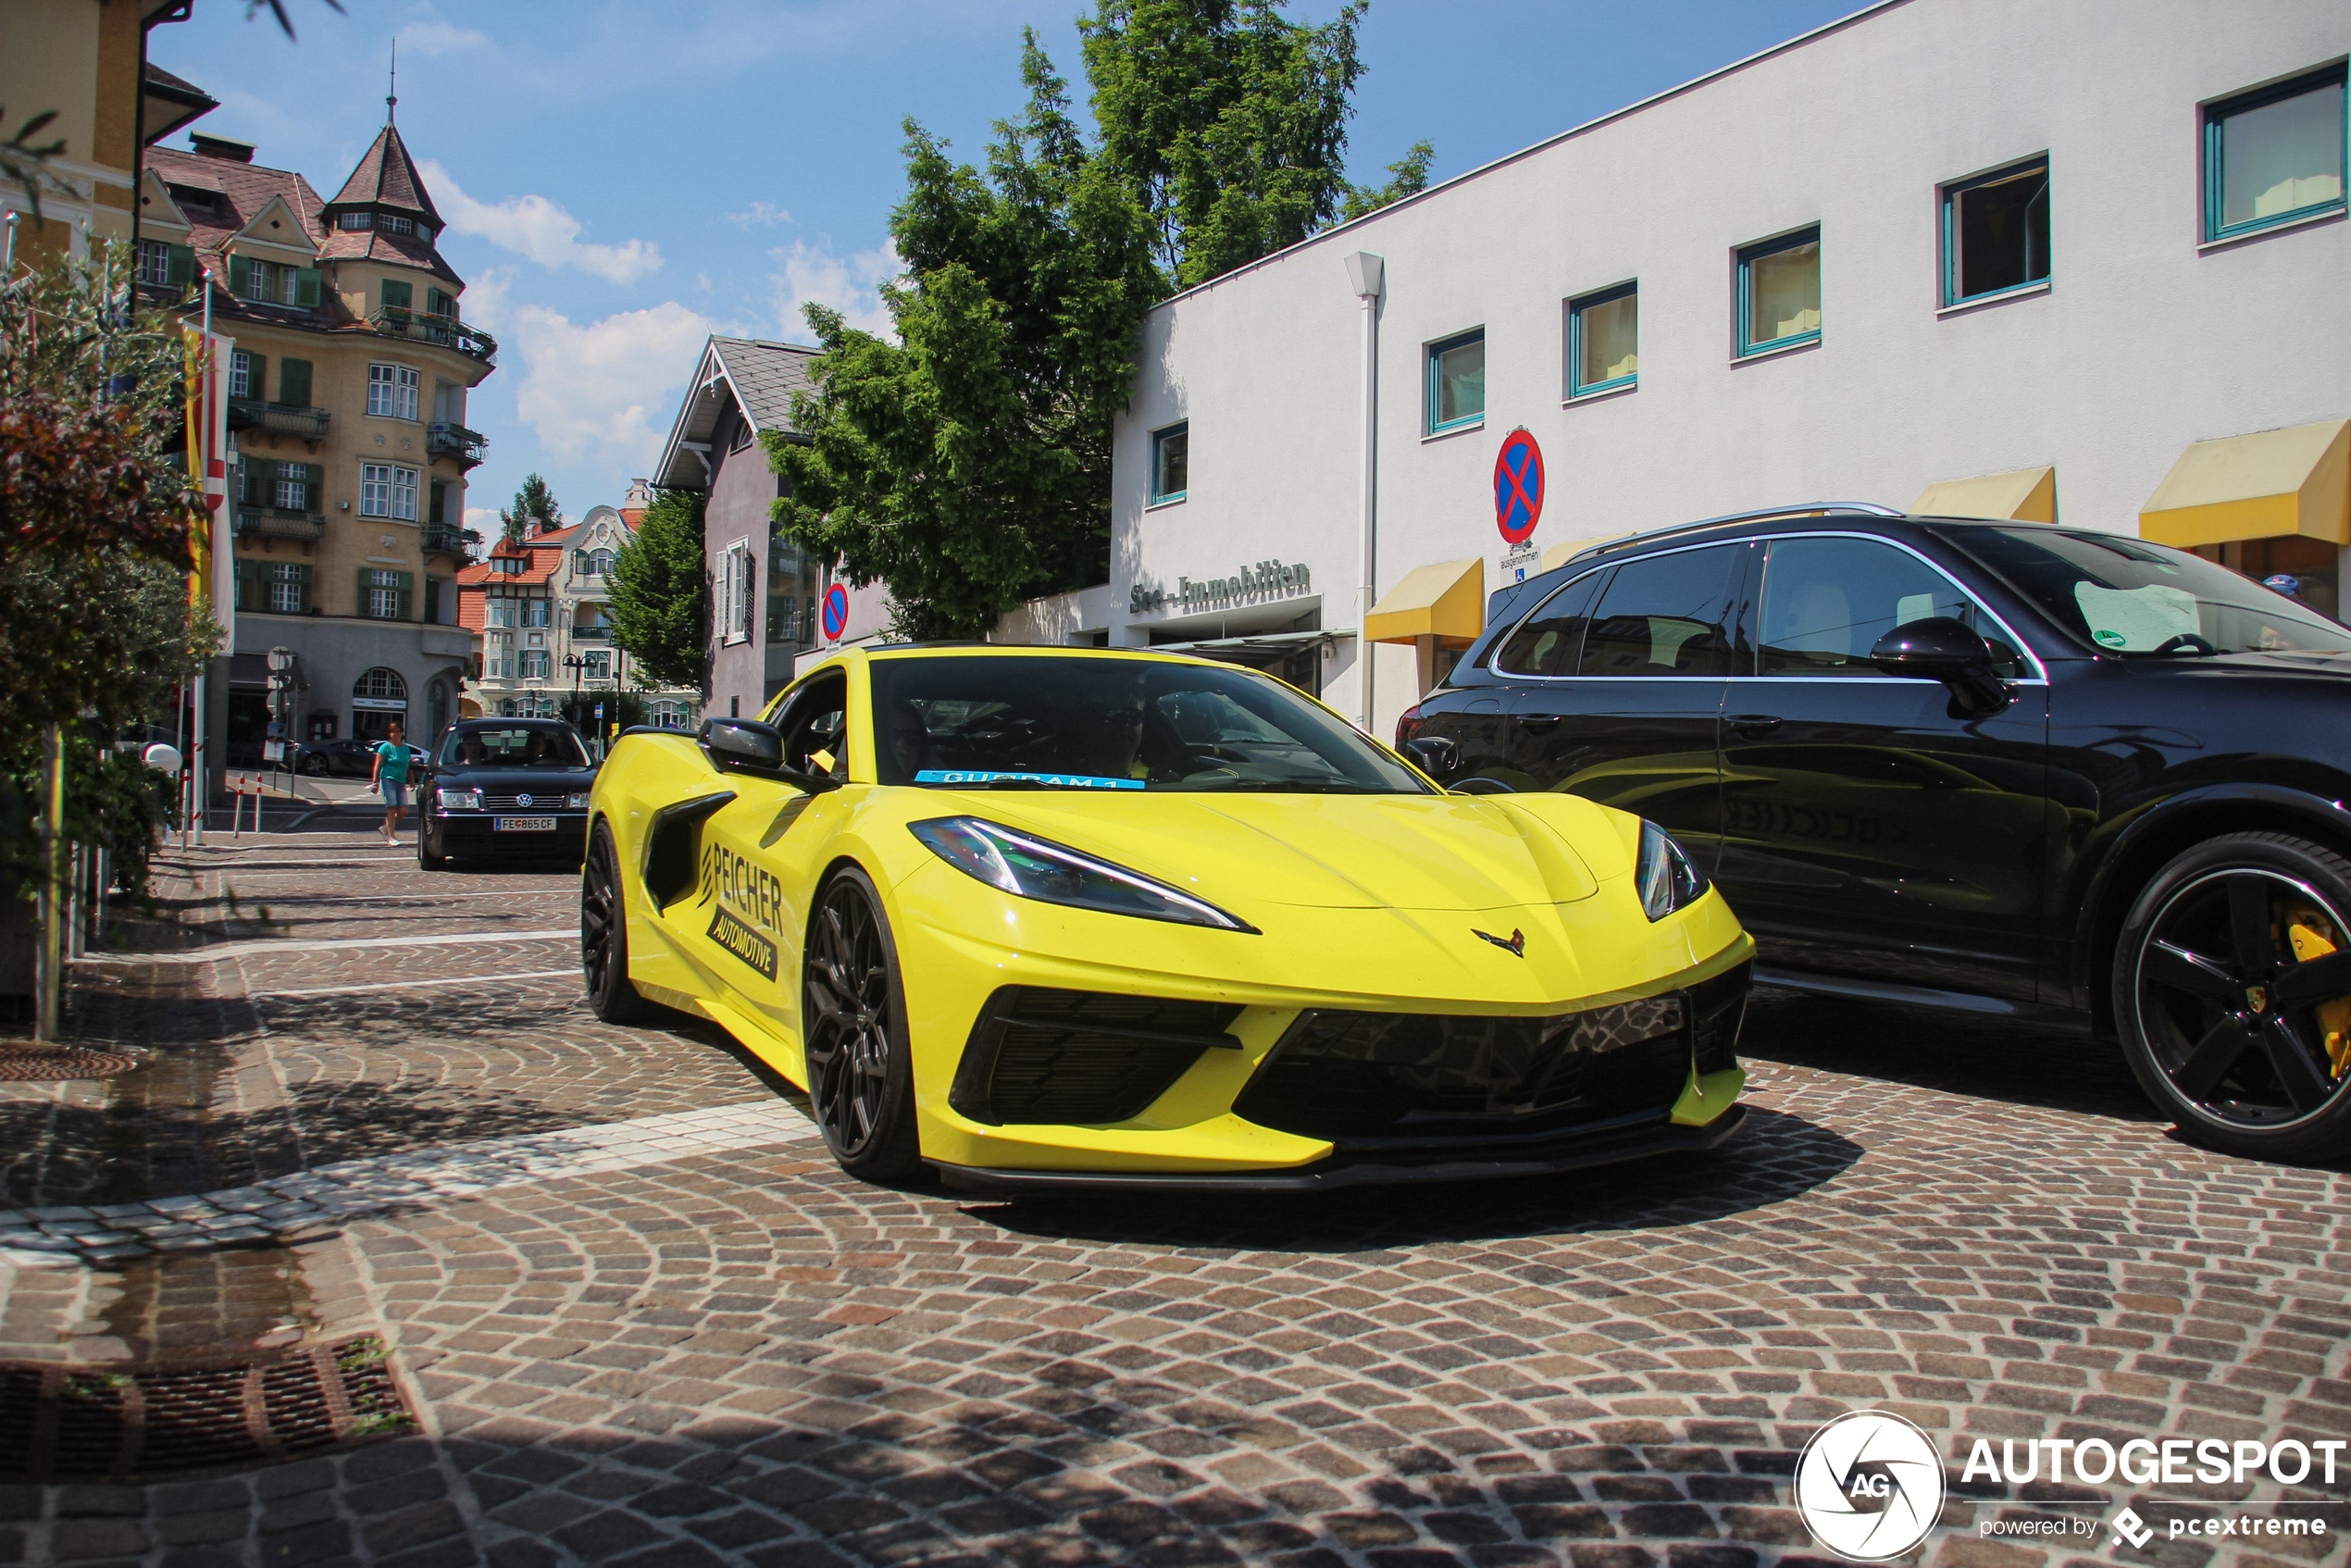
pixel 281 660
pixel 575 662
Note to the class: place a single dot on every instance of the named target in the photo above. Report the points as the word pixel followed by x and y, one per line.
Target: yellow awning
pixel 2028 495
pixel 2272 484
pixel 1560 555
pixel 1447 600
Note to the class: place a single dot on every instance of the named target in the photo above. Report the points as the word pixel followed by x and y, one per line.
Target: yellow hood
pixel 1455 852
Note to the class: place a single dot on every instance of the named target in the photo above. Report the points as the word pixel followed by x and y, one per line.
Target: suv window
pixel 1663 615
pixel 815 719
pixel 1826 602
pixel 1552 638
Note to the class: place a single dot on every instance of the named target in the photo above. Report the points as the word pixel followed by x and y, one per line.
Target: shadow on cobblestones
pixel 1776 1158
pixel 2039 1064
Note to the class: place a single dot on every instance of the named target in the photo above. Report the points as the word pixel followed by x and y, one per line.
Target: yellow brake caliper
pixel 2313 935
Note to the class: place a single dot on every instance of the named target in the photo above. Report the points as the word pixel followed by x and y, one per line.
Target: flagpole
pixel 197 760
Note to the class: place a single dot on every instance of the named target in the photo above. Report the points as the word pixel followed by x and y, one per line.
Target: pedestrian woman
pixel 392 778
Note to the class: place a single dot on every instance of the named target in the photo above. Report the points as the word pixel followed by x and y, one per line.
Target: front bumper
pixel 471 833
pixel 1575 1152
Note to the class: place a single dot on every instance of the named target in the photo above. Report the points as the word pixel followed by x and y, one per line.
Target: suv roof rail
pixel 1802 509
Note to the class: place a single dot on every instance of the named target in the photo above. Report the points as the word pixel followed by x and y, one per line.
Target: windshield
pixel 1114 724
pixel 2127 596
pixel 520 746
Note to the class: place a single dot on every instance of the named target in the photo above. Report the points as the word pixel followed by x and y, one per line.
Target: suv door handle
pixel 1755 724
pixel 1541 721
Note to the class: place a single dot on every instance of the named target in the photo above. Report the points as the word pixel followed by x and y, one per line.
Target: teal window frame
pixel 1576 385
pixel 1747 256
pixel 2219 111
pixel 1951 194
pixel 1159 438
pixel 1435 353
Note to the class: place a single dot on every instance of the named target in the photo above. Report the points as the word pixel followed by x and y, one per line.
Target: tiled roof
pixel 388 177
pixel 245 189
pixel 764 375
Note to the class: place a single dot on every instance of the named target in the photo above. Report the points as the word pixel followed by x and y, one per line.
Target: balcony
pixel 592 634
pixel 422 326
pixel 253 414
pixel 444 438
pixel 444 541
pixel 278 522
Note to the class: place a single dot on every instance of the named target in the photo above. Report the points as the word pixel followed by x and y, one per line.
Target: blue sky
pixel 621 179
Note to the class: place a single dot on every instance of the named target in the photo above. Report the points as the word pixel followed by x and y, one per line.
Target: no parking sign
pixel 1518 486
pixel 836 611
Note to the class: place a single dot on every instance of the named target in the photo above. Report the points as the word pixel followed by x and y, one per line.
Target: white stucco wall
pixel 2144 342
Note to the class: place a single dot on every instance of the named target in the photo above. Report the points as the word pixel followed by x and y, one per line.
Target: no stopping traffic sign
pixel 1518 486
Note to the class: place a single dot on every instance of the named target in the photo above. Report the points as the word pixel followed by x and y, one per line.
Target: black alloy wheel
pixel 314 765
pixel 426 859
pixel 859 1068
pixel 604 936
pixel 2232 995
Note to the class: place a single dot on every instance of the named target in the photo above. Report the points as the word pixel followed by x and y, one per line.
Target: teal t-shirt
pixel 394 758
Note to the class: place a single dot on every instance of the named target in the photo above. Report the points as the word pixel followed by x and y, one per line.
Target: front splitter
pixel 1341 1170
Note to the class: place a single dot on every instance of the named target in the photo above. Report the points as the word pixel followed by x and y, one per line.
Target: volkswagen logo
pixel 522 799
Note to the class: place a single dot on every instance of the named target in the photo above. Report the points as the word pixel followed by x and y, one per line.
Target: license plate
pixel 523 825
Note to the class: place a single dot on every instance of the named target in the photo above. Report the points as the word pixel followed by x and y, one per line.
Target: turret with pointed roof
pixel 400 221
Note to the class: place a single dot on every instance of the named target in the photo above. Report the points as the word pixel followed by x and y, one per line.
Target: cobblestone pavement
pixel 737 1355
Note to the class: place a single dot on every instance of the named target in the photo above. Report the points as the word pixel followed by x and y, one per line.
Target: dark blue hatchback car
pixel 505 789
pixel 2004 768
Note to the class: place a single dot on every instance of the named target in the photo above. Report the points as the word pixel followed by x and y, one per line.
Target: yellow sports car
pixel 1051 917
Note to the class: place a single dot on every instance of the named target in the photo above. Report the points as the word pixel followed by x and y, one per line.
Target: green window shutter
pixel 439 516
pixel 261 479
pixel 407 595
pixel 306 287
pixel 294 382
pixel 239 276
pixel 396 294
pixel 360 606
pixel 314 474
pixel 302 575
pixel 243 570
pixel 257 376
pixel 181 265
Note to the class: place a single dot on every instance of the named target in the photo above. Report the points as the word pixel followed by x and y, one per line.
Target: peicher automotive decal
pixel 728 931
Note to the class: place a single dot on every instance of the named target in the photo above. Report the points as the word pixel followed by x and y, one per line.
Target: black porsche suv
pixel 2004 768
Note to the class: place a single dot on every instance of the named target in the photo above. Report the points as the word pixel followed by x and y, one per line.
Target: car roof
pixel 890 652
pixel 533 723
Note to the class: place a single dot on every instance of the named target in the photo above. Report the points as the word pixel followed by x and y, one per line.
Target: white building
pixel 2053 245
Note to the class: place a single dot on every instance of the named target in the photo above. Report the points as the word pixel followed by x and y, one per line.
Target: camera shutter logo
pixel 1870 1486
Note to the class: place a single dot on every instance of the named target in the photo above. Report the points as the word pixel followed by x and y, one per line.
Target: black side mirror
pixel 745 745
pixel 1435 756
pixel 1940 647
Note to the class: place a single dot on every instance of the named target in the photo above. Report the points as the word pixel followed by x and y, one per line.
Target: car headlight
pixel 576 801
pixel 1037 868
pixel 1667 879
pixel 458 800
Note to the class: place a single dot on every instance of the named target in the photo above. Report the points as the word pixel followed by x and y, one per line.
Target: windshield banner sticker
pixel 1053 780
pixel 2138 620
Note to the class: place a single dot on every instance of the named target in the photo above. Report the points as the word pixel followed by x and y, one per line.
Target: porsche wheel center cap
pixel 2257 998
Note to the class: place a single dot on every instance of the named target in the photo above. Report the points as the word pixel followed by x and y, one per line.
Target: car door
pixel 760 854
pixel 1630 719
pixel 1870 830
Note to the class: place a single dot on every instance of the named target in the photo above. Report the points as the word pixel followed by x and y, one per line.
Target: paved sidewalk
pixel 641 1319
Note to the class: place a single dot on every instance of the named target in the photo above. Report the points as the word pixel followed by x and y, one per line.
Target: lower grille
pixel 1080 1057
pixel 1405 1081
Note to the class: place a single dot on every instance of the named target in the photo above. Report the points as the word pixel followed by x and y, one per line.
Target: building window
pixel 239 373
pixel 1170 463
pixel 735 595
pixel 392 390
pixel 289 586
pixel 1457 381
pixel 667 713
pixel 499 611
pixel 395 224
pixel 357 221
pixel 387 492
pixel 382 592
pixel 597 664
pixel 534 664
pixel 1780 291
pixel 2274 154
pixel 383 685
pixel 534 612
pixel 1996 233
pixel 1603 341
pixel 292 493
pixel 599 562
pixel 155 264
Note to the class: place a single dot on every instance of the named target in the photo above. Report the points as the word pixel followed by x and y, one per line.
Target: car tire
pixel 860 1074
pixel 2232 996
pixel 313 768
pixel 604 936
pixel 426 859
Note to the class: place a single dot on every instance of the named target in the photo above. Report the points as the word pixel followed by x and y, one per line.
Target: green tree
pixel 1226 121
pixel 1408 176
pixel 535 511
pixel 656 583
pixel 967 466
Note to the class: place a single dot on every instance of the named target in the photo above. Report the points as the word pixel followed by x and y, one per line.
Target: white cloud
pixel 608 387
pixel 848 284
pixel 441 38
pixel 537 228
pixel 762 215
pixel 483 520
